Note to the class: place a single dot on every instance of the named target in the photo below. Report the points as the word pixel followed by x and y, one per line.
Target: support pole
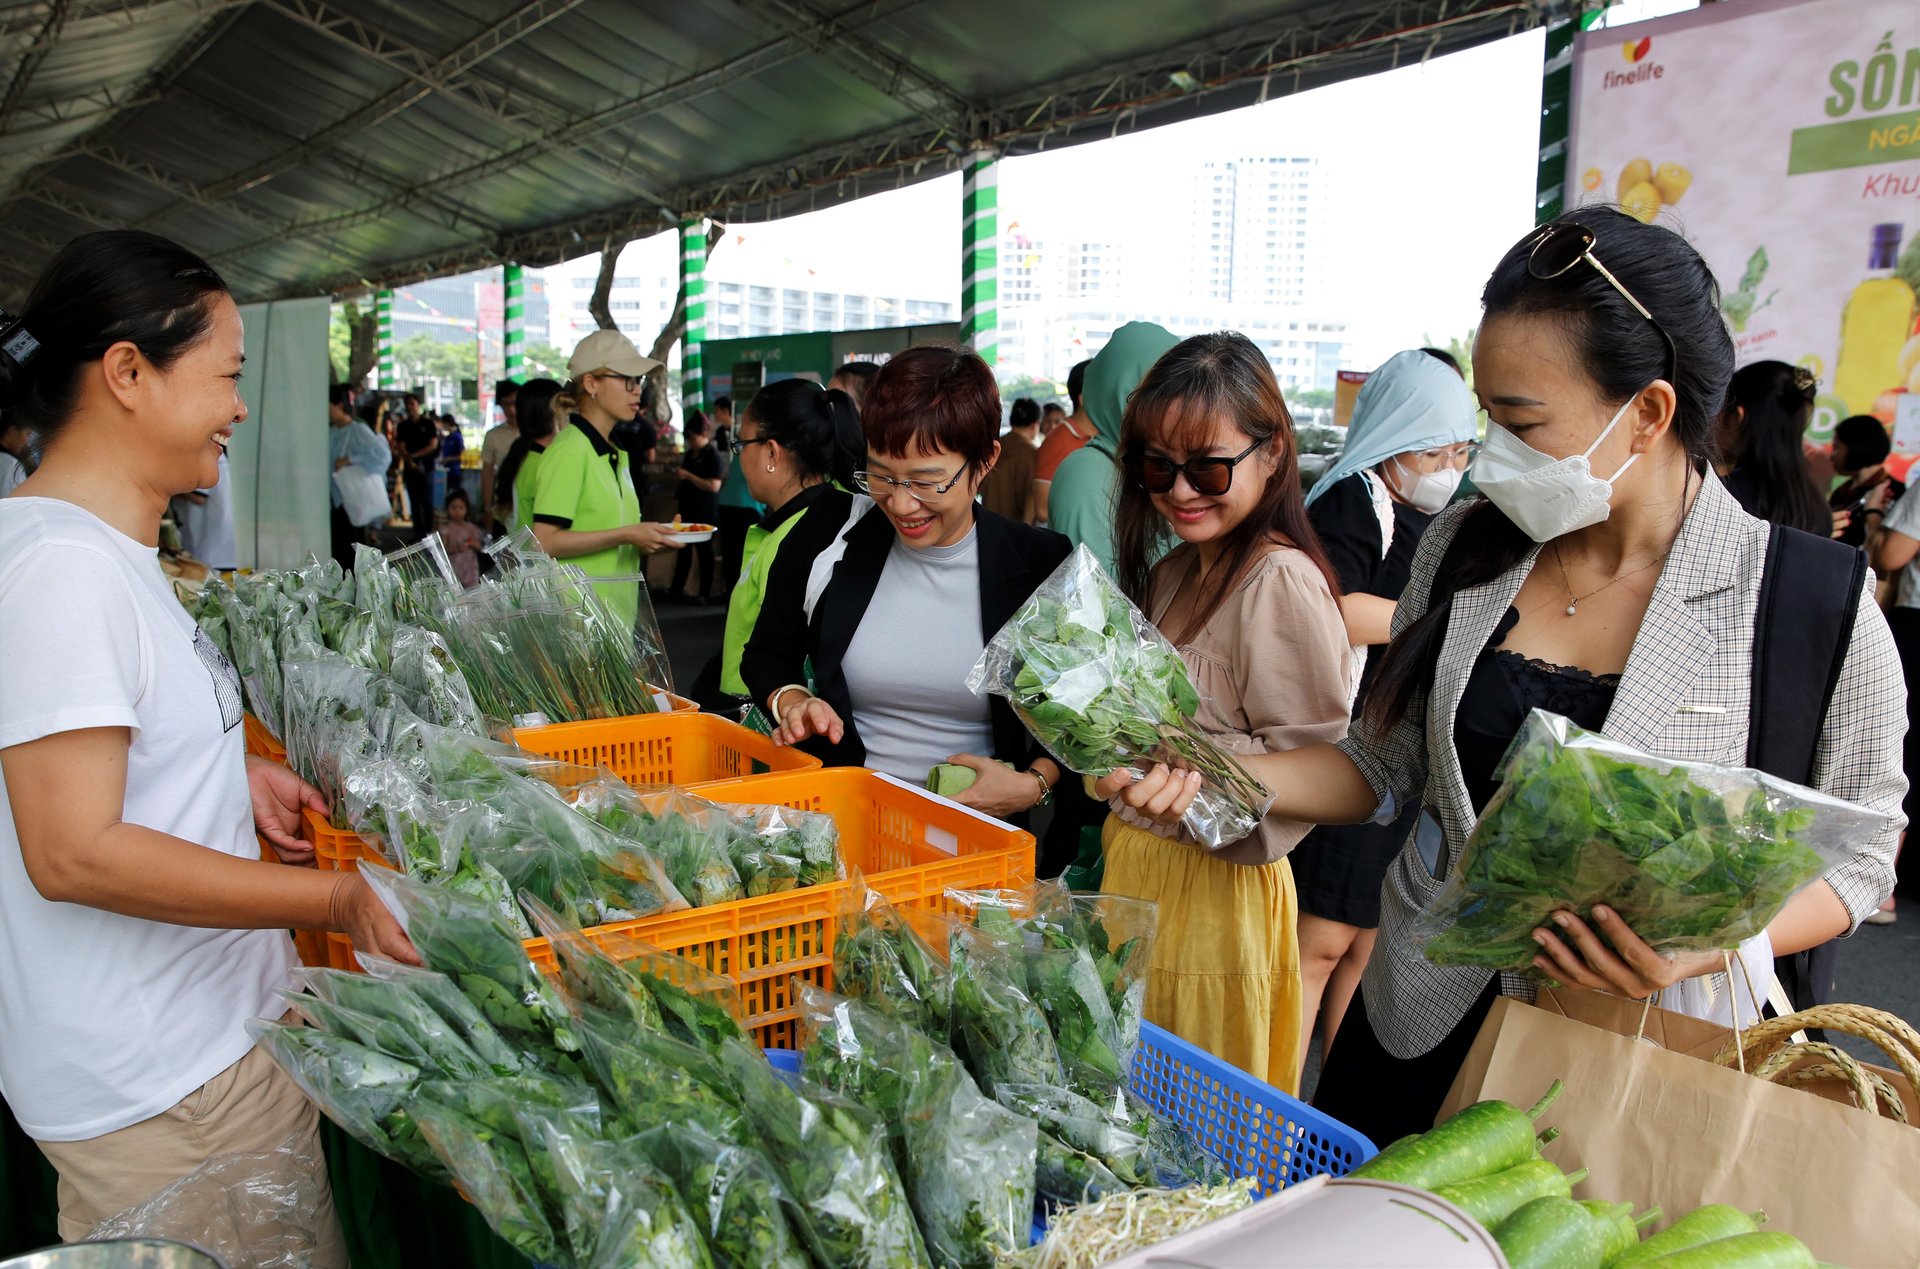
pixel 693 278
pixel 1556 112
pixel 383 307
pixel 516 341
pixel 979 256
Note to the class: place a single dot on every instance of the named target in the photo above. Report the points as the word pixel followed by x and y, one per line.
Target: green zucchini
pixel 1552 1233
pixel 1623 1231
pixel 1485 1138
pixel 1491 1199
pixel 1701 1225
pixel 1761 1250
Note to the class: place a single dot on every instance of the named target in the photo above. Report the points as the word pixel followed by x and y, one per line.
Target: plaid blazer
pixel 1684 693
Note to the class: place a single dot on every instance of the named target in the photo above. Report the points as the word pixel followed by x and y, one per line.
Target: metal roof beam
pixel 581 131
pixel 30 61
pixel 867 60
pixel 468 55
pixel 96 21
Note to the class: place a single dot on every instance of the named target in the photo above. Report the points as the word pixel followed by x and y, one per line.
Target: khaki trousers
pixel 250 1106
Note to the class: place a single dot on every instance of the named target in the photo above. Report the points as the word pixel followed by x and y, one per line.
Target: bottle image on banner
pixel 1877 320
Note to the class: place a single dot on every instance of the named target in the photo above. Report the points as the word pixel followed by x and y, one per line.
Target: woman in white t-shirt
pixel 141 928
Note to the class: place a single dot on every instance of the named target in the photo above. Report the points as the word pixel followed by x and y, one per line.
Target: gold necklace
pixel 1566 579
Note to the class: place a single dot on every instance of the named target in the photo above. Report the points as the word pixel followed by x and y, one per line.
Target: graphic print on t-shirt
pixel 226 679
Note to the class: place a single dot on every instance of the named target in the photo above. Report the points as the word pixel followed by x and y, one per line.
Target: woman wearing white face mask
pixel 1628 602
pixel 1412 431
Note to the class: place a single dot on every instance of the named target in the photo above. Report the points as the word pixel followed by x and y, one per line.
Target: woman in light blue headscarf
pixel 1406 447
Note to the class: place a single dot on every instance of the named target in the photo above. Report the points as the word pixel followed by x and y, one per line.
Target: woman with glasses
pixel 1413 426
pixel 892 604
pixel 585 509
pixel 1247 596
pixel 796 450
pixel 1606 575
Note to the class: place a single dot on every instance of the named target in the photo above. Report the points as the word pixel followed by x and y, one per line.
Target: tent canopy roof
pixel 313 146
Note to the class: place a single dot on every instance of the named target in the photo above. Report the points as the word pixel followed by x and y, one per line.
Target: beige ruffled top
pixel 1272 667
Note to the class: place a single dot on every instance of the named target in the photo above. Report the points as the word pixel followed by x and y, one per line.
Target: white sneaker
pixel 1882 916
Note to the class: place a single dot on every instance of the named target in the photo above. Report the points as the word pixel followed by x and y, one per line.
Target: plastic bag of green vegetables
pixel 1062 978
pixel 1115 933
pixel 361 1089
pixel 1102 688
pixel 967 1162
pixel 778 848
pixel 688 834
pixel 503 1106
pixel 832 1155
pixel 1691 855
pixel 433 841
pixel 1084 1126
pixel 467 940
pixel 446 1000
pixel 1066 1177
pixel 440 1045
pixel 887 957
pixel 656 989
pixel 651 1079
pixel 733 1195
pixel 421 663
pixel 1001 1031
pixel 387 1035
pixel 494 1174
pixel 325 706
pixel 621 1212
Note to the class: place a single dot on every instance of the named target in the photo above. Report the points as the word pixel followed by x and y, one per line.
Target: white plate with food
pixel 688 534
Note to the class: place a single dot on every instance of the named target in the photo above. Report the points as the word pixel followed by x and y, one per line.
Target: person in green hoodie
pixel 1081 500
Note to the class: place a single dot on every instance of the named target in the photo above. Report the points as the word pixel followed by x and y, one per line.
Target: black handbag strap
pixel 1809 596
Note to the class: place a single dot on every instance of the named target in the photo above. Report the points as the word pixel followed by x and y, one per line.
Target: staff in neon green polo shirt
pixel 797 449
pixel 585 510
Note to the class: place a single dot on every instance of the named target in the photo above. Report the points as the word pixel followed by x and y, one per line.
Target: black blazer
pixel 1014 559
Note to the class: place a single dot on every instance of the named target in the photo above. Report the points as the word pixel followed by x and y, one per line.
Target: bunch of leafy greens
pixel 1691 856
pixel 880 958
pixel 1101 688
pixel 733 1194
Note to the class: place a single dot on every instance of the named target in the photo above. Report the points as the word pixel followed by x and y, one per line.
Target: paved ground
pixel 693 633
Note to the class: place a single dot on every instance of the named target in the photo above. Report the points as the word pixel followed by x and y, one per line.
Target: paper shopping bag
pixel 1654 1121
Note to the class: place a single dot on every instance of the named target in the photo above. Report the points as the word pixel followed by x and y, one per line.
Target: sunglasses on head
pixel 1209 476
pixel 1561 245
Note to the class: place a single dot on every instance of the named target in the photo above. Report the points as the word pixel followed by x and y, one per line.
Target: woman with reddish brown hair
pixel 893 601
pixel 1250 601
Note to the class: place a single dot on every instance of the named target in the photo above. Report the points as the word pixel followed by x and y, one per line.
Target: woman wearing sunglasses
pixel 893 603
pixel 1246 595
pixel 1413 427
pixel 1606 575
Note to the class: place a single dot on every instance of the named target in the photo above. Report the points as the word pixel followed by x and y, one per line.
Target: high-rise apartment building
pixel 1259 232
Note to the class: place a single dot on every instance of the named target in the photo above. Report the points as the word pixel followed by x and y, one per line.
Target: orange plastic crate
pixel 261 742
pixel 677 748
pixel 910 845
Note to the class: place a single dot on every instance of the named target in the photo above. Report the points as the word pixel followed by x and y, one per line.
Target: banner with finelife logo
pixel 1782 137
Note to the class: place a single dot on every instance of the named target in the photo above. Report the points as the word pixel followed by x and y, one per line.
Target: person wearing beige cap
pixel 585 509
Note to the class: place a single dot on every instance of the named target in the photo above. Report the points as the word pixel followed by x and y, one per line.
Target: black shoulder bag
pixel 1809 596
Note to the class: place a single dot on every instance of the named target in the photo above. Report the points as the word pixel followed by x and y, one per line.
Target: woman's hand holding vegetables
pixel 803 716
pixel 278 795
pixel 998 790
pixel 1161 795
pixel 356 911
pixel 1629 968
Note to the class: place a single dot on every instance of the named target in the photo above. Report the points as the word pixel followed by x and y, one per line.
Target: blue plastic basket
pixel 1253 1127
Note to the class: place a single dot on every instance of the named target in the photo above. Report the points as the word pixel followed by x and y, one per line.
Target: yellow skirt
pixel 1226 958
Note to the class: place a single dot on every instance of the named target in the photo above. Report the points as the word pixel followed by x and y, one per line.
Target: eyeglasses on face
pixel 629 382
pixel 1208 475
pixel 1563 244
pixel 877 486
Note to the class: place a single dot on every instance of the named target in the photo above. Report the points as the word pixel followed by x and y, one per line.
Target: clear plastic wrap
pixel 494 1174
pixel 653 988
pixel 1113 935
pixel 650 1078
pixel 441 843
pixel 325 727
pixel 360 1089
pixel 454 1008
pixel 422 663
pixel 732 1192
pixel 967 1162
pixel 1691 855
pixel 432 1043
pixel 691 836
pixel 895 960
pixel 1102 688
pixel 778 848
pixel 832 1154
pixel 565 858
pixel 470 942
pixel 258 1208
pixel 997 1026
pixel 620 1211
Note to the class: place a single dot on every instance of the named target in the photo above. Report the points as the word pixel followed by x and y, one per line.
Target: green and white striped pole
pixel 693 276
pixel 980 255
pixel 516 341
pixel 383 310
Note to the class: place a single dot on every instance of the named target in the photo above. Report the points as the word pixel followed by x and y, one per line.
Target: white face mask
pixel 1545 496
pixel 1429 491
